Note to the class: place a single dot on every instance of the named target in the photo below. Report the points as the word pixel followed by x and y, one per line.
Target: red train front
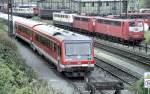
pixel 136 30
pixel 120 29
pixel 78 56
pixel 144 16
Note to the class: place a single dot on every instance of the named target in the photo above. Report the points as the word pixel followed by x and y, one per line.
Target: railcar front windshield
pixel 135 26
pixel 78 49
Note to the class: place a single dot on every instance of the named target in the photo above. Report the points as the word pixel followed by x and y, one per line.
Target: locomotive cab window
pixel 135 26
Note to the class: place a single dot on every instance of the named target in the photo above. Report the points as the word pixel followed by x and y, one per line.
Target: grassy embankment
pixel 15 76
pixel 147 37
pixel 138 88
pixel 1 26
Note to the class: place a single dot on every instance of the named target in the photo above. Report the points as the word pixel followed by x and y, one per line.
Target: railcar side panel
pixel 109 28
pixel 24 31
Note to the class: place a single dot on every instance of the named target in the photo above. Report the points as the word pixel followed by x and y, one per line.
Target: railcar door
pixel 58 54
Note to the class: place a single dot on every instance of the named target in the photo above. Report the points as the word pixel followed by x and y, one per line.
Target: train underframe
pixel 78 71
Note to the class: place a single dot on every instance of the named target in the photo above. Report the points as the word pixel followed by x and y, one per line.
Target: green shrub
pixel 147 37
pixel 1 26
pixel 139 87
pixel 15 76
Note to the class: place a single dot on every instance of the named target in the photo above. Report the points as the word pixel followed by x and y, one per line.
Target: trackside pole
pixel 10 17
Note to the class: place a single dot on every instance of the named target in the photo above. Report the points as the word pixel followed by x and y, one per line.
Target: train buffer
pixel 93 86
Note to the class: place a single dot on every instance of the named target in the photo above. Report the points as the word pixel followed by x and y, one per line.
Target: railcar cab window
pixel 76 49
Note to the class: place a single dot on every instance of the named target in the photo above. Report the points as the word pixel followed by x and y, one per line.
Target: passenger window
pixel 100 21
pixel 77 18
pixel 85 19
pixel 117 23
pixel 59 50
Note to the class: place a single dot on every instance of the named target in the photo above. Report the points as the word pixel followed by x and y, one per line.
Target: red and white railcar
pixel 71 53
pixel 123 29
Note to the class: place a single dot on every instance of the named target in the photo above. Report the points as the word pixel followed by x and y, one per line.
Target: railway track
pixel 79 85
pixel 136 57
pixel 121 74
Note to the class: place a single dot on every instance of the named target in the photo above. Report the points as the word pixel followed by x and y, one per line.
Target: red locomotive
pixel 125 30
pixel 144 16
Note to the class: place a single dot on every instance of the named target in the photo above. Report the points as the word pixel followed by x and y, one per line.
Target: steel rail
pixel 125 53
pixel 116 72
